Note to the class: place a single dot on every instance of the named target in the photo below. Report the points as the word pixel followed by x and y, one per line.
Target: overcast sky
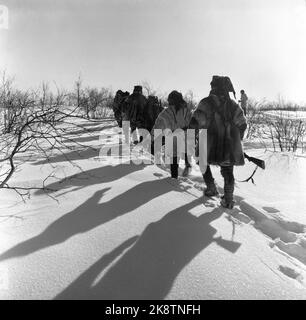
pixel 173 44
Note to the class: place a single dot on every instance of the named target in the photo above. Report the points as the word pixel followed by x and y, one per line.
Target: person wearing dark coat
pixel 134 111
pixel 225 123
pixel 118 105
pixel 151 112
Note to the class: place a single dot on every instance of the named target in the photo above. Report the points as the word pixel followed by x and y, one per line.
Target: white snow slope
pixel 127 231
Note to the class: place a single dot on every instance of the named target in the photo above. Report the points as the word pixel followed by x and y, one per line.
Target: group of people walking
pixel 223 118
pixel 140 111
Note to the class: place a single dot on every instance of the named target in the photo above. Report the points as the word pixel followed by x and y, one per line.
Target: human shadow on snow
pixel 84 152
pixel 89 128
pixel 105 174
pixel 149 268
pixel 74 155
pixel 90 215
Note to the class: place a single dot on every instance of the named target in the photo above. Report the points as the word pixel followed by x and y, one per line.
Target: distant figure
pixel 176 116
pixel 243 101
pixel 118 104
pixel 225 124
pixel 134 107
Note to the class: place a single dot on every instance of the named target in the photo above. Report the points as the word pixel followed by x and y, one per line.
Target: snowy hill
pixel 127 231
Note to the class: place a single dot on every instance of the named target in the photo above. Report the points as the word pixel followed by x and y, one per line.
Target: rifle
pixel 260 163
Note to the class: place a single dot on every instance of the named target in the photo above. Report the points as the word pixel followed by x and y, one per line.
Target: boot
pixel 229 182
pixel 211 190
pixel 229 204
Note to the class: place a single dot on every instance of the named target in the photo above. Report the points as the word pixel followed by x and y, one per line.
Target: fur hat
pixel 137 89
pixel 176 98
pixel 222 85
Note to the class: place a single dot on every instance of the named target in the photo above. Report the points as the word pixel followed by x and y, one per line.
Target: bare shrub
pixel 255 119
pixel 190 99
pixel 14 104
pixel 34 123
pixel 277 123
pixel 286 132
pixel 92 102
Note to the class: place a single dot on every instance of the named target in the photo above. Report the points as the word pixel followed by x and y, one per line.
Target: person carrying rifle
pixel 225 123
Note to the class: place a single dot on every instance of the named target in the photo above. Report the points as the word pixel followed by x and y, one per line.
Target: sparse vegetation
pixel 34 121
pixel 277 123
pixel 93 103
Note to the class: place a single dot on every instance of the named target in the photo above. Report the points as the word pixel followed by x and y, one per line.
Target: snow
pixel 298 115
pixel 127 231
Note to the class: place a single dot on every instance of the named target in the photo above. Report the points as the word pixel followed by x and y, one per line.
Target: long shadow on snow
pixel 77 154
pixel 149 268
pixel 70 156
pixel 88 138
pixel 90 215
pixel 84 152
pixel 93 128
pixel 92 177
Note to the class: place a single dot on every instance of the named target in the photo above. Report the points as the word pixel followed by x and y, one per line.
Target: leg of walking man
pixel 229 184
pixel 211 189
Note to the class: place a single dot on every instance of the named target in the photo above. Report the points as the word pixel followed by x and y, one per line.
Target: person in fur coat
pixel 133 111
pixel 225 123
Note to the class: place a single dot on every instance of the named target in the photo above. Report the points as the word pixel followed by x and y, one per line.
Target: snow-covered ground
pixel 127 231
pixel 299 115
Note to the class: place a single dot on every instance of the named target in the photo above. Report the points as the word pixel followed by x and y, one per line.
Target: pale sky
pixel 173 44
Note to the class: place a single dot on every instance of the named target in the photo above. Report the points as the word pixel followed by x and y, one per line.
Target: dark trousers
pixel 227 173
pixel 174 166
pixel 175 162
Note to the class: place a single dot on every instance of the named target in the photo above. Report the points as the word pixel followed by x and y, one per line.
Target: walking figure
pixel 176 116
pixel 225 124
pixel 118 103
pixel 243 101
pixel 133 111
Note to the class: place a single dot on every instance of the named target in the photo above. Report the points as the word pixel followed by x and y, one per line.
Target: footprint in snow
pixel 291 273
